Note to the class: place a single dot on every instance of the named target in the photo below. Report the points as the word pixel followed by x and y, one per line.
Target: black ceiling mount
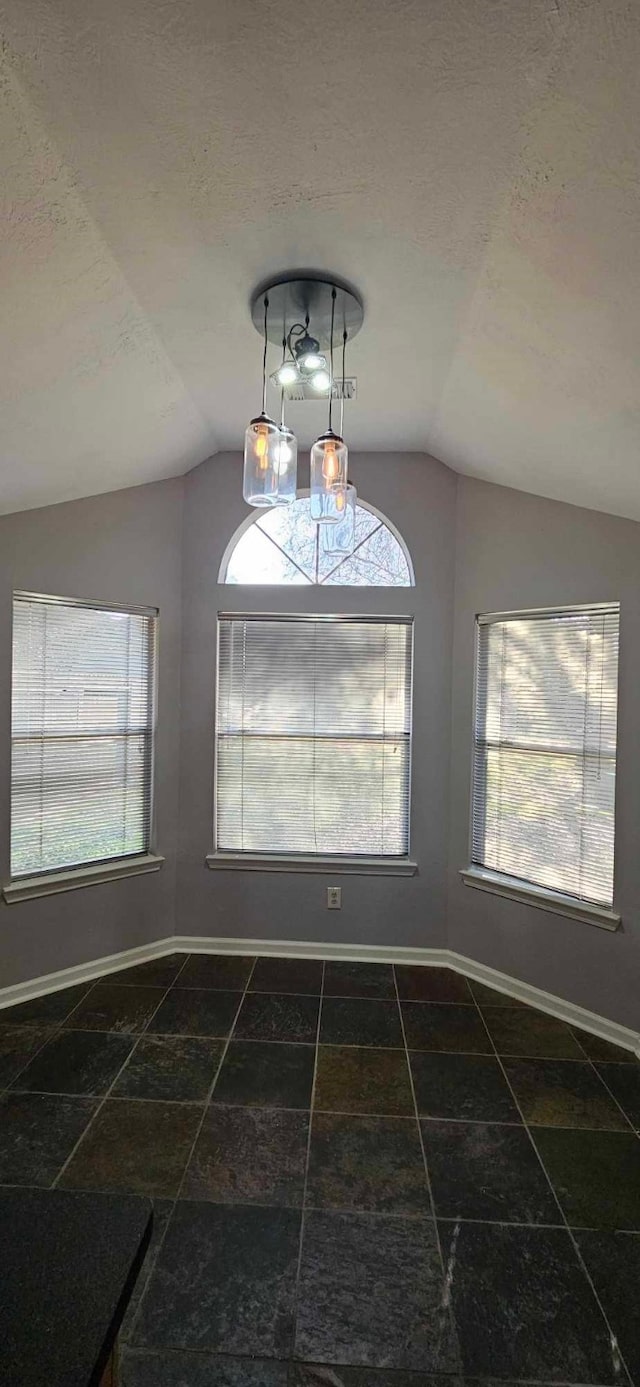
pixel 301 293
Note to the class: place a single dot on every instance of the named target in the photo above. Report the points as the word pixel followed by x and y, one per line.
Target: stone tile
pixel 359 980
pixel 490 997
pixel 17 1046
pixel 38 1133
pixel 623 1081
pixel 48 1010
pixel 263 1075
pixel 424 984
pixel 363 1081
pixel 273 1016
pixel 360 1021
pixel 486 1171
pixel 445 1027
pixel 613 1262
pixel 602 1050
pixel 76 1062
pixel 470 1087
pixel 171 1068
pixel 249 1156
pixel 171 1369
pixel 224 1281
pixel 370 1292
pixel 156 972
pixel 530 1033
pixel 596 1175
pixel 111 1008
pixel 196 1012
pixel 223 972
pixel 371 1164
pixel 303 975
pixel 562 1093
pixel 140 1148
pixel 162 1211
pixel 523 1306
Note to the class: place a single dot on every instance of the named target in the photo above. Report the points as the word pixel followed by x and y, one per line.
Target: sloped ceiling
pixel 472 165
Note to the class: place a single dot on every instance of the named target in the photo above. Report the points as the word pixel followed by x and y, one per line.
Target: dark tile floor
pixel 361 1176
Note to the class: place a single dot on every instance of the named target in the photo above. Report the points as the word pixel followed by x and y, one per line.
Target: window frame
pixel 50 881
pixel 302 494
pixel 487 879
pixel 352 864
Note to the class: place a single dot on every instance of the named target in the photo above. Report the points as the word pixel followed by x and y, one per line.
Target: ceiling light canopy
pixel 303 314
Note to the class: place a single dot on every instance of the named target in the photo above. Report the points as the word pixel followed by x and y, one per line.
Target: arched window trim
pixel 304 491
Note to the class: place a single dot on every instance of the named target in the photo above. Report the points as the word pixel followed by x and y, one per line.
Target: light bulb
pixel 321 380
pixel 312 361
pixel 330 464
pixel 328 477
pixel 261 445
pixel 287 373
pixel 340 500
pixel 260 481
pixel 283 456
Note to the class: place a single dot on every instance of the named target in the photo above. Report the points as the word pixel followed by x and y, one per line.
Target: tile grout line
pixel 223 1056
pixel 446 1316
pixel 107 1094
pixel 417 1118
pixel 296 1295
pixel 55 1031
pixel 332 1112
pixel 631 1126
pixel 613 1340
pixel 145 1351
pixel 189 1158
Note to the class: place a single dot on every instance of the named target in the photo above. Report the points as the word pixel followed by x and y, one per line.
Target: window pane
pixel 82 702
pixel 313 736
pixel 545 749
pixel 282 546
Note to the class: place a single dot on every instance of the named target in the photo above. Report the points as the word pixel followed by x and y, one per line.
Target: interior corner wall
pixel 418 495
pixel 517 551
pixel 123 547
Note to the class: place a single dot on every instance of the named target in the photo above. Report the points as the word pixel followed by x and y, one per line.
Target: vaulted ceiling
pixel 472 165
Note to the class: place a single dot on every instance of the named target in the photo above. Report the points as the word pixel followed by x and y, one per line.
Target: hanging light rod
pixel 303 298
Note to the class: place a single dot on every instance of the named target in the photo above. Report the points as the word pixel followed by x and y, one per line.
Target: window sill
pixel 484 880
pixel 27 888
pixel 274 862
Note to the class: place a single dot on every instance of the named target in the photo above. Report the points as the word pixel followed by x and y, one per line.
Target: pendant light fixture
pixel 286 454
pixel 328 462
pixel 261 443
pixel 340 539
pixel 300 313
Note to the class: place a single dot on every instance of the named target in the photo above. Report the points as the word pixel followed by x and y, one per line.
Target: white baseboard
pixel 546 1001
pixel 84 972
pixel 352 953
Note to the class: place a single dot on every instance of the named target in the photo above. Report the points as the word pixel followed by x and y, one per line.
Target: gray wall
pixel 121 547
pixel 516 551
pixel 418 495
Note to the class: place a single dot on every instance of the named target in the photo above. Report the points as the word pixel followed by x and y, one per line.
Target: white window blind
pixel 545 748
pixel 82 733
pixel 313 735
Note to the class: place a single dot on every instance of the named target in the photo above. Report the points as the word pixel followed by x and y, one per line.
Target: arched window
pixel 284 546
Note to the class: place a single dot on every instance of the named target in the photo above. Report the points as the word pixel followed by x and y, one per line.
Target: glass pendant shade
pixel 340 539
pixel 286 466
pixel 261 444
pixel 328 496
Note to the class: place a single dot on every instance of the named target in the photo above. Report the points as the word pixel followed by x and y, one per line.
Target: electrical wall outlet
pixel 334 898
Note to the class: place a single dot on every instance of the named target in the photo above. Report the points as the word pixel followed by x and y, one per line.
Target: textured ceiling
pixel 472 165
